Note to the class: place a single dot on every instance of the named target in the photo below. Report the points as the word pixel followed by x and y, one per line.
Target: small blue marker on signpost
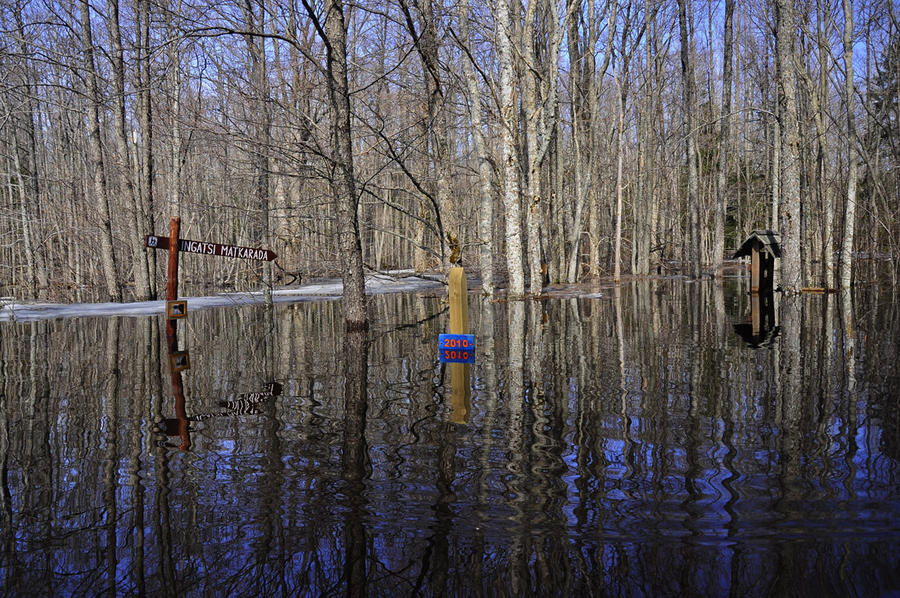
pixel 456 348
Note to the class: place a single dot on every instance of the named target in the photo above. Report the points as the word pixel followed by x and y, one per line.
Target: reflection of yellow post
pixel 461 399
pixel 459 324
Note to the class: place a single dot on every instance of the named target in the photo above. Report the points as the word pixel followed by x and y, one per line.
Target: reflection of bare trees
pixel 354 459
pixel 625 444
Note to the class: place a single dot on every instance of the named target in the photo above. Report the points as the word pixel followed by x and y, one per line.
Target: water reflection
pixel 760 329
pixel 626 444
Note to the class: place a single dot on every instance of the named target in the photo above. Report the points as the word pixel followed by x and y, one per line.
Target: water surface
pixel 645 441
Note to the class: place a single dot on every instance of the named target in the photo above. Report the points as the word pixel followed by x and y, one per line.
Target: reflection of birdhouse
pixel 763 246
pixel 760 330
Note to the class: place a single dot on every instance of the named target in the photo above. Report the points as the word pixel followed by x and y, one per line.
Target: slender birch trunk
pixel 107 252
pixel 724 138
pixel 846 272
pixel 540 107
pixel 791 266
pixel 144 158
pixel 122 155
pixel 26 165
pixel 620 159
pixel 509 153
pixel 690 135
pixel 486 198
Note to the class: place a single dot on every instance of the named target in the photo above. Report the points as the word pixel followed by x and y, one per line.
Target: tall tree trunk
pixel 426 42
pixel 175 94
pixel 789 218
pixel 646 176
pixel 509 152
pixel 27 172
pixel 333 30
pixel 122 156
pixel 850 205
pixel 776 169
pixel 145 208
pixel 540 110
pixel 107 253
pixel 591 139
pixel 581 62
pixel 620 182
pixel 690 141
pixel 821 105
pixel 262 142
pixel 724 138
pixel 486 198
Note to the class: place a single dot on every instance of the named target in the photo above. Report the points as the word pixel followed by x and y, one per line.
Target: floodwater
pixel 650 441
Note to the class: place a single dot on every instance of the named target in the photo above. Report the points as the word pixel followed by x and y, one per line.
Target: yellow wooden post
pixel 459 302
pixel 459 324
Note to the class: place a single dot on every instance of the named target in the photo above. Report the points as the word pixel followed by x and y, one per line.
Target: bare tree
pixel 122 154
pixel 509 151
pixel 539 106
pixel 485 168
pixel 333 31
pixel 107 252
pixel 724 137
pixel 791 266
pixel 846 271
pixel 688 94
pixel 25 160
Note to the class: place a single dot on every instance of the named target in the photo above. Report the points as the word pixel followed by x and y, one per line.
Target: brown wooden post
pixel 172 282
pixel 459 324
pixel 172 291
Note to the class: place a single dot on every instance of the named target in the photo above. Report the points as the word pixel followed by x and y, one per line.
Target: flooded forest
pixel 643 416
pixel 646 440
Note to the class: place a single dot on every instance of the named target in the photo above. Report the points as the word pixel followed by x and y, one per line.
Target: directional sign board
pixel 176 309
pixel 456 348
pixel 202 247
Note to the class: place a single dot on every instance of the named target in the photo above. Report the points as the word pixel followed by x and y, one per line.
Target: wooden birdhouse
pixel 763 246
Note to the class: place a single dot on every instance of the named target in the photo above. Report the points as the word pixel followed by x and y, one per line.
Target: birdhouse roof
pixel 764 240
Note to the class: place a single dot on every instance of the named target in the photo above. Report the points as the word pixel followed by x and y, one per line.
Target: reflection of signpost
pixel 457 348
pixel 179 361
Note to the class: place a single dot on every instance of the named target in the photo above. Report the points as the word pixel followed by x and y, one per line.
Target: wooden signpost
pixel 205 248
pixel 175 309
pixel 175 245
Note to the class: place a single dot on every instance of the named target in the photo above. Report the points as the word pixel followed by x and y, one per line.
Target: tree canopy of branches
pixel 538 140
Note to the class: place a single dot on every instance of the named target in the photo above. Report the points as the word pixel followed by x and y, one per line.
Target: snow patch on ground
pixel 400 281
